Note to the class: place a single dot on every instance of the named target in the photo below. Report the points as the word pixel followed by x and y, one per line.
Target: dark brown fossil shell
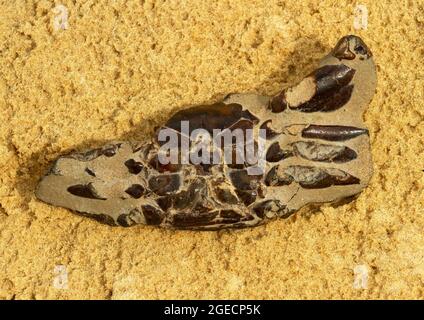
pixel 316 151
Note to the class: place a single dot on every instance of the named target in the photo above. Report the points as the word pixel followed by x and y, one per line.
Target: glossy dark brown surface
pixel 332 132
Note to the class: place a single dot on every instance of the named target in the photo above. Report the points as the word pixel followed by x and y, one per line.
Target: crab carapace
pixel 317 150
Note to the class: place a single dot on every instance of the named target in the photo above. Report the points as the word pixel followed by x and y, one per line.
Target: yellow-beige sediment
pixel 117 70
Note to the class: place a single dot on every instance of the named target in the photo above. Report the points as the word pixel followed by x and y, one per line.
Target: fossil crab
pixel 316 151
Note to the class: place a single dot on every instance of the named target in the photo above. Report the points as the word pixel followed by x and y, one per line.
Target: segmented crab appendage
pixel 237 163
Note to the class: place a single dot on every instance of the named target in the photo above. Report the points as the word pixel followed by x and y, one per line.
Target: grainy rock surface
pixel 120 69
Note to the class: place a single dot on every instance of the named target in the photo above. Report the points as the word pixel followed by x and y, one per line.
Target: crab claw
pixel 349 47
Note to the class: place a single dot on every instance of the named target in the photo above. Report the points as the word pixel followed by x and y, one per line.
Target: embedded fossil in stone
pixel 316 151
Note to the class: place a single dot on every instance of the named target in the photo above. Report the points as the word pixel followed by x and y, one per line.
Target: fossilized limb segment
pixel 315 151
pixel 332 132
pixel 327 89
